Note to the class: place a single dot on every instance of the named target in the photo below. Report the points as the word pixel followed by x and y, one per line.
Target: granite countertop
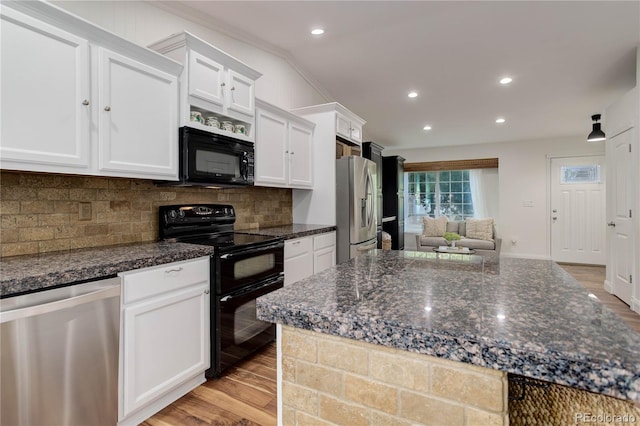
pixel 288 232
pixel 522 316
pixel 22 274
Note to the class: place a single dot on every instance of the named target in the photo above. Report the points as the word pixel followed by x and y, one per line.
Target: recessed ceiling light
pixel 506 80
pixel 427 127
pixel 413 94
pixel 501 316
pixel 317 31
pixel 500 120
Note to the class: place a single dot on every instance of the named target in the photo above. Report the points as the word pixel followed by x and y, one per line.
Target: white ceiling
pixel 568 60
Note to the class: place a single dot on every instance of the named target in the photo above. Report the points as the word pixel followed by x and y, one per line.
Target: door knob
pixel 611 224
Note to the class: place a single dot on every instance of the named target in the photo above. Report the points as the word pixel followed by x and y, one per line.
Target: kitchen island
pixel 393 337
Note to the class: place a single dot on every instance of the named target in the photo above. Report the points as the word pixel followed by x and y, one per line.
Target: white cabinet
pixel 307 256
pixel 213 83
pixel 298 259
pixel 284 148
pixel 45 103
pixel 319 205
pixel 165 341
pixel 77 99
pixel 138 112
pixel 324 251
pixel 349 127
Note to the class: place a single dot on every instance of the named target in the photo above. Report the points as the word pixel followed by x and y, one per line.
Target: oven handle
pixel 243 292
pixel 252 251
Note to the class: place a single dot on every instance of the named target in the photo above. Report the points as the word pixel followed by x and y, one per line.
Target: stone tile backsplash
pixel 42 212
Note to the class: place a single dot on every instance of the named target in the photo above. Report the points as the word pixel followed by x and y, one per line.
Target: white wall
pixel 523 175
pixel 144 23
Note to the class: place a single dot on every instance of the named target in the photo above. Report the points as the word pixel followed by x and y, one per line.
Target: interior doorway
pixel 578 210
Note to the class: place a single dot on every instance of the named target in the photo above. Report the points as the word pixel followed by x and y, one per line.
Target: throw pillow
pixel 434 227
pixel 480 229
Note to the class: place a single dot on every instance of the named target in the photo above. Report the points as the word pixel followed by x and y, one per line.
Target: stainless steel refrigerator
pixel 356 207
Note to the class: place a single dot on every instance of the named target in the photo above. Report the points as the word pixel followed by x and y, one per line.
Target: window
pixel 439 193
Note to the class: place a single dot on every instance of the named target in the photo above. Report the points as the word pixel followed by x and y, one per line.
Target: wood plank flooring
pixel 246 396
pixel 592 277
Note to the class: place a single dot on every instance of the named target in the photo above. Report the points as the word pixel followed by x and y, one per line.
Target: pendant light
pixel 596 135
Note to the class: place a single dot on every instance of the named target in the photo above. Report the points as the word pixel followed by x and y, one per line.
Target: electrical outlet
pixel 84 211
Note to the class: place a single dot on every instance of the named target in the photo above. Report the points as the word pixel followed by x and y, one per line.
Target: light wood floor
pixel 592 277
pixel 246 396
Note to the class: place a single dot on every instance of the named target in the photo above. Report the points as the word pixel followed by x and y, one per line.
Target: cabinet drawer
pixel 160 279
pixel 324 240
pixel 293 248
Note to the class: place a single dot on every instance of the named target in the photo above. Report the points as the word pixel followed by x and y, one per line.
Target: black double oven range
pixel 243 268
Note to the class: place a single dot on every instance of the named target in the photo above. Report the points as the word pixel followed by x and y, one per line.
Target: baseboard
pixel 525 256
pixel 608 286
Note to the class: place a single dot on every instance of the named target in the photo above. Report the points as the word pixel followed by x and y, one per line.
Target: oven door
pixel 238 333
pixel 246 266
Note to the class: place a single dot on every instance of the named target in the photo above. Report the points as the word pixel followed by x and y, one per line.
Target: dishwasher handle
pixel 102 293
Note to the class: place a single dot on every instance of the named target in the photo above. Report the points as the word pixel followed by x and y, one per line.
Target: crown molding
pixel 211 22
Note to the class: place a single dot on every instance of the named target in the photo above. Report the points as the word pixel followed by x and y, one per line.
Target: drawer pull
pixel 173 270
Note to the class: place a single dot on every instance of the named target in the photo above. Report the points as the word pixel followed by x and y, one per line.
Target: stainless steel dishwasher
pixel 59 356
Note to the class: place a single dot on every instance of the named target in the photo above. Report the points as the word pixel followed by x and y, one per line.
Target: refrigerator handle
pixel 370 202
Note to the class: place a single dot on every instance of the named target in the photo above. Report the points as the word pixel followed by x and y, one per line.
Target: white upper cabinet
pixel 46 111
pixel 349 127
pixel 206 79
pixel 213 83
pixel 284 148
pixel 78 99
pixel 138 113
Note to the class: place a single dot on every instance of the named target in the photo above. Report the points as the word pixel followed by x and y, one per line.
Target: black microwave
pixel 211 159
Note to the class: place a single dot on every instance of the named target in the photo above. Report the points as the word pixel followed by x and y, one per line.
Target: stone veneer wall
pixel 332 380
pixel 39 212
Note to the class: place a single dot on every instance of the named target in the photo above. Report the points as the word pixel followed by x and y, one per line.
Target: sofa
pixel 487 246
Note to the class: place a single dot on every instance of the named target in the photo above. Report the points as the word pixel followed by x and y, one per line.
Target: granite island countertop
pixel 288 232
pixel 28 273
pixel 522 316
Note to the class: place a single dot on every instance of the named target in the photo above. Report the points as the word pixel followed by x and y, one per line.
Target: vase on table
pixel 453 244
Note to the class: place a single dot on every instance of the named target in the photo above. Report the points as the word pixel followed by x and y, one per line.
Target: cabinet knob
pixel 233 88
pixel 107 108
pixel 206 292
pixel 85 102
pixel 222 84
pixel 292 152
pixel 286 152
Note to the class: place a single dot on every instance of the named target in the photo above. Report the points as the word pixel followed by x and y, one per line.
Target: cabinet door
pixel 138 120
pixel 323 259
pixel 356 132
pixel 298 259
pixel 301 156
pixel 45 102
pixel 343 126
pixel 166 341
pixel 270 147
pixel 206 79
pixel 240 94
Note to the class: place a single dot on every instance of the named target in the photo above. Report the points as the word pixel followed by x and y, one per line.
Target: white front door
pixel 578 226
pixel 620 215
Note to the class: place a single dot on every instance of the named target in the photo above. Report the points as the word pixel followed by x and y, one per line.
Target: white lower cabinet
pixel 306 256
pixel 298 259
pixel 165 341
pixel 324 251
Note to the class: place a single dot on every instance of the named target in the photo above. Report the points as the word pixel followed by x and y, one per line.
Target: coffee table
pixel 450 250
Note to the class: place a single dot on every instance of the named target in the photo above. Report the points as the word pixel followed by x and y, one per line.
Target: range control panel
pixel 178 218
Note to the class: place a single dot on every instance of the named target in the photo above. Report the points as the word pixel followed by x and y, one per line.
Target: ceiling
pixel 568 60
